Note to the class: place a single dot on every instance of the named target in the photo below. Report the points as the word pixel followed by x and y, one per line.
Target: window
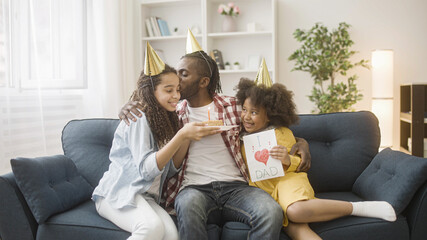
pixel 42 74
pixel 48 43
pixel 4 24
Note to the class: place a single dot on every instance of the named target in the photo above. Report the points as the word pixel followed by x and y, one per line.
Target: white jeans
pixel 147 221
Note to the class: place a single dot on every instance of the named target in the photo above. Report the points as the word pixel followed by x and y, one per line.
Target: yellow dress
pixel 293 186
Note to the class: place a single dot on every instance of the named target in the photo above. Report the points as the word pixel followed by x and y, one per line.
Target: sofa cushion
pixel 88 142
pixel 392 176
pixel 80 222
pixel 351 227
pixel 235 230
pixel 84 222
pixel 341 145
pixel 50 184
pixel 356 228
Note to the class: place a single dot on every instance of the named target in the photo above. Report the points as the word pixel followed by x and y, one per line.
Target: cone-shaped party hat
pixel 153 64
pixel 263 77
pixel 192 44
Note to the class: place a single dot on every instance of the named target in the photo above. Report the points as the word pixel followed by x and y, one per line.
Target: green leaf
pixel 326 54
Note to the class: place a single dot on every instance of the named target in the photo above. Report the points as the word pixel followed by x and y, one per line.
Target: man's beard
pixel 190 91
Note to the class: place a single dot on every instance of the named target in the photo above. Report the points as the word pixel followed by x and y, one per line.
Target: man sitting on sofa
pixel 213 176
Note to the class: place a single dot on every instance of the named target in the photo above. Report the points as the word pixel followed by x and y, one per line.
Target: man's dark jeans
pixel 237 201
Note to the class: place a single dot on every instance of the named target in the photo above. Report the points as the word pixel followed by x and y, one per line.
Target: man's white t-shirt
pixel 209 159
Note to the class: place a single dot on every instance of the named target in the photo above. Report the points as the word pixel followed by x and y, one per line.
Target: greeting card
pixel 261 165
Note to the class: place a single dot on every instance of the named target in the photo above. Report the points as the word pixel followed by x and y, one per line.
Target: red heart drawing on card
pixel 262 156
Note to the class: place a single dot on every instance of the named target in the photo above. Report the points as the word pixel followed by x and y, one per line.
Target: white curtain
pixel 112 52
pixel 32 119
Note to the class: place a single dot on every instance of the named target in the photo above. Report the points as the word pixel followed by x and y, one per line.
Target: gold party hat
pixel 192 44
pixel 263 77
pixel 153 64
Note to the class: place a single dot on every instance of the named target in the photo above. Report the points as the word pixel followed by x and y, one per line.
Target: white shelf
pixel 237 2
pixel 241 71
pixel 235 46
pixel 238 34
pixel 236 71
pixel 168 37
pixel 169 3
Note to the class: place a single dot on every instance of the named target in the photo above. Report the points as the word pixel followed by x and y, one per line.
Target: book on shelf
pixel 164 28
pixel 217 56
pixel 149 28
pixel 211 54
pixel 159 23
pixel 155 26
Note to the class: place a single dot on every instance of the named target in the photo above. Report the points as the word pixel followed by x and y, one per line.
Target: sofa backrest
pixel 341 146
pixel 87 142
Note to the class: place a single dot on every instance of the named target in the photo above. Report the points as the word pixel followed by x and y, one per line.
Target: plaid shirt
pixel 225 107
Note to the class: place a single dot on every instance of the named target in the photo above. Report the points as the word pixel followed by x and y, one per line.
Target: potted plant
pixel 175 31
pixel 227 66
pixel 236 66
pixel 229 10
pixel 326 56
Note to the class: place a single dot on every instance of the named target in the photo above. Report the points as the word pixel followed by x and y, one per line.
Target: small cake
pixel 214 123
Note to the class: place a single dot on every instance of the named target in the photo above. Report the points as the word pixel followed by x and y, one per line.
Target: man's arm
pixel 301 148
pixel 126 112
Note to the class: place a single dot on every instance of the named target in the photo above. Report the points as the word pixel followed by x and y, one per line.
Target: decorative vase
pixel 228 24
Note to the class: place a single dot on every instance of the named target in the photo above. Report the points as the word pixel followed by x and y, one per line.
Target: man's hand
pixel 126 112
pixel 301 148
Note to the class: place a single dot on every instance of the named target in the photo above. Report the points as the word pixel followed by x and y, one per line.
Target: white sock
pixel 374 209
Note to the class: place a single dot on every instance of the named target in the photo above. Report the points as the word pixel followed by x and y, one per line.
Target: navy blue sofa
pixel 342 146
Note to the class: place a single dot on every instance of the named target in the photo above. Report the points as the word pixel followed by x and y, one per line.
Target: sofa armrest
pixel 416 213
pixel 16 219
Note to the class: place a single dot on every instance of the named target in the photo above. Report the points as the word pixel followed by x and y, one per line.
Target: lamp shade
pixel 382 93
pixel 382 74
pixel 383 110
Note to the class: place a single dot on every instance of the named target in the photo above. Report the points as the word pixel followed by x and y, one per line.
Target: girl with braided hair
pixel 145 153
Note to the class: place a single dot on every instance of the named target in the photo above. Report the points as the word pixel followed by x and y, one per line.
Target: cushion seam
pixel 83 226
pixel 358 224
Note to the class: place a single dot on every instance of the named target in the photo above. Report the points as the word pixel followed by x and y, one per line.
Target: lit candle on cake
pixel 212 122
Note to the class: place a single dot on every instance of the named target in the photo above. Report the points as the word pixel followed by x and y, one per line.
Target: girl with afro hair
pixel 265 108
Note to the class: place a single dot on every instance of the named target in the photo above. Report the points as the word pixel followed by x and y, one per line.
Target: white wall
pixel 375 24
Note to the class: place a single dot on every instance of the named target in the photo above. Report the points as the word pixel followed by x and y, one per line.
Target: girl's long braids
pixel 207 67
pixel 163 124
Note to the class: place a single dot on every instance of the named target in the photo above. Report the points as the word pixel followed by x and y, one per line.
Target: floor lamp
pixel 382 93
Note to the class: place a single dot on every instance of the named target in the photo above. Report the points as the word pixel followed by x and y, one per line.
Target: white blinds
pixel 41 87
pixel 31 126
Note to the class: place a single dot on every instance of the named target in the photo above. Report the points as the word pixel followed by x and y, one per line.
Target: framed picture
pixel 253 62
